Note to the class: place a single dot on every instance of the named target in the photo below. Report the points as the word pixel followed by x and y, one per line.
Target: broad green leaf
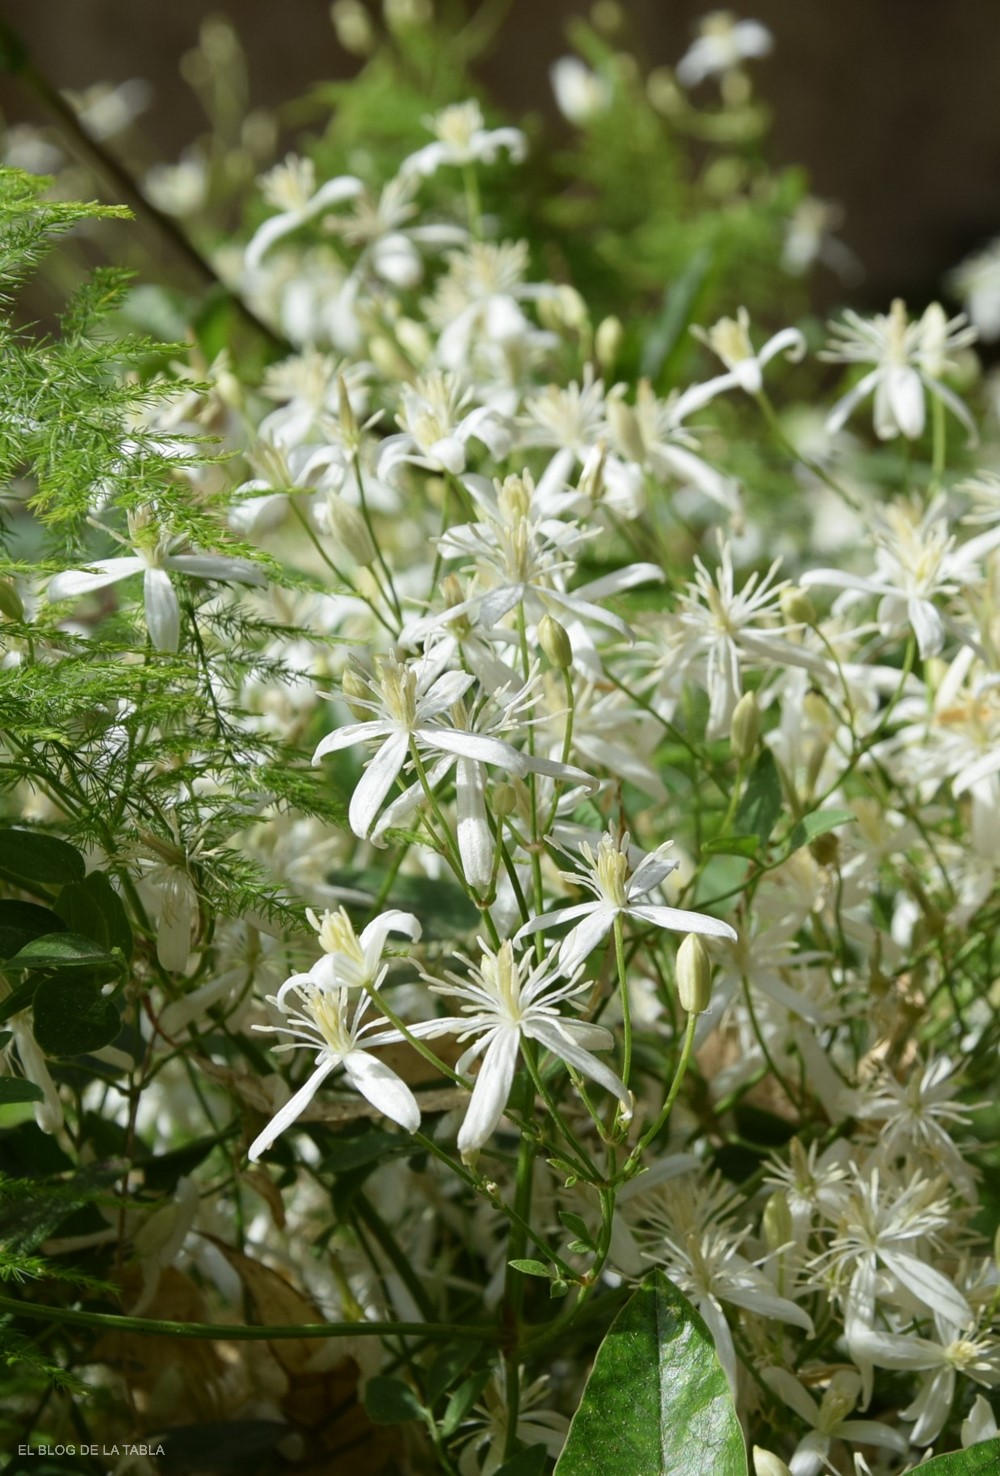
pixel 978 1460
pixel 761 803
pixel 361 1149
pixel 657 1402
pixel 21 923
pixel 442 907
pixel 19 999
pixel 18 1089
pixel 31 856
pixel 462 1401
pixel 72 1017
pixel 818 823
pixel 63 951
pixel 390 1401
pixel 94 909
pixel 732 845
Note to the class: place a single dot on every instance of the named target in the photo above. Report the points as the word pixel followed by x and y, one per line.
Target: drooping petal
pixel 548 1034
pixel 490 1093
pixel 380 1085
pixel 215 566
pixel 292 1109
pixel 680 921
pixel 475 843
pixel 75 582
pixel 376 782
pixel 163 613
pixel 348 736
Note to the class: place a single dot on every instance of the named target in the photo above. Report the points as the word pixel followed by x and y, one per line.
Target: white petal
pixel 584 938
pixel 680 921
pixel 348 736
pixel 490 1093
pixel 213 566
pixel 473 746
pixel 475 843
pixel 929 1286
pixel 163 613
pixel 383 1089
pixel 376 782
pixel 574 1055
pixel 286 1115
pixel 373 937
pixel 76 582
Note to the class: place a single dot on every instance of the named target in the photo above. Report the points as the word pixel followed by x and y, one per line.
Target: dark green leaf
pixel 528 1267
pixel 818 823
pixel 361 1149
pixel 732 845
pixel 18 1089
pixel 21 922
pixel 72 1017
pixel 657 1401
pixel 33 857
pixel 390 1401
pixel 442 907
pixel 530 1462
pixel 462 1401
pixel 762 799
pixel 577 1226
pixel 978 1460
pixel 94 909
pixel 63 951
pixel 18 1000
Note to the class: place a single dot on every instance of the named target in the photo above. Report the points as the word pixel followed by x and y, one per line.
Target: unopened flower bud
pixel 414 340
pixel 400 14
pixel 797 607
pixel 350 530
pixel 608 342
pixel 744 733
pixel 353 27
pixel 504 800
pixel 555 643
pixel 354 686
pixel 777 1221
pixel 825 849
pixel 591 483
pixel 10 600
pixel 348 419
pixel 563 309
pixel 625 428
pixel 388 360
pixel 694 975
pixel 766 1463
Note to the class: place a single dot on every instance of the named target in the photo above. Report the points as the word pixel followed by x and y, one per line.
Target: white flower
pixel 437 426
pixel 829 1420
pixel 491 1420
pixel 506 1001
pixel 330 1022
pixel 349 961
pixel 155 560
pixel 723 44
pixel 617 888
pixel 291 186
pixel 909 358
pixel 580 93
pixel 977 281
pixel 729 338
pixel 461 139
pixel 980 1423
pixel 940 1359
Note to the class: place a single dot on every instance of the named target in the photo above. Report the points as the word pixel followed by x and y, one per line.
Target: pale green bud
pixel 353 686
pixel 414 340
pixel 10 600
pixel 555 643
pixel 797 607
pixel 744 734
pixel 608 342
pixel 563 309
pixel 388 360
pixel 353 27
pixel 350 530
pixel 766 1463
pixel 777 1221
pixel 625 428
pixel 504 799
pixel 694 975
pixel 607 16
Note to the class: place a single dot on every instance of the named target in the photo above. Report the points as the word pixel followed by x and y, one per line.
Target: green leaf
pixel 448 1366
pixel 527 1267
pixel 390 1401
pixel 657 1401
pixel 28 855
pixel 530 1462
pixel 462 1401
pixel 73 1018
pixel 19 999
pixel 678 306
pixel 362 1149
pixel 63 951
pixel 732 845
pixel 21 923
pixel 442 907
pixel 94 909
pixel 577 1226
pixel 978 1460
pixel 818 823
pixel 762 799
pixel 18 1089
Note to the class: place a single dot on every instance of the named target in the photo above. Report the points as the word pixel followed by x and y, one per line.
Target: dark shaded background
pixel 893 105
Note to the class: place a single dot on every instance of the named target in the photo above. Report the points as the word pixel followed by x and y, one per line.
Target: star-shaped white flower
pixel 618 887
pixel 462 139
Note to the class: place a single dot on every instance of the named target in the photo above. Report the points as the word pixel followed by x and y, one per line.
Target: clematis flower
pixel 349 961
pixel 909 359
pixel 723 44
pixel 506 1001
pixel 462 139
pixel 291 187
pixel 729 338
pixel 952 1351
pixel 155 560
pixel 976 280
pixel 618 887
pixel 829 1420
pixel 331 1021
